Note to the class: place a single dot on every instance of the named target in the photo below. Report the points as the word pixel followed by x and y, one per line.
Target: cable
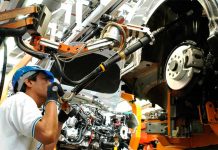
pixel 71 58
pixel 115 58
pixel 91 76
pixel 3 69
pixel 27 50
pixel 6 32
pixel 61 72
pixel 122 31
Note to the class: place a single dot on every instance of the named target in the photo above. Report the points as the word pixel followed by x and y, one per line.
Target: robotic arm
pixel 35 20
pixel 113 36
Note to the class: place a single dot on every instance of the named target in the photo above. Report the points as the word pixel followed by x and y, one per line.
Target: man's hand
pixel 53 92
pixel 46 130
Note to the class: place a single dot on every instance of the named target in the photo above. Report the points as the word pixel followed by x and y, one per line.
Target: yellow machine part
pixel 136 109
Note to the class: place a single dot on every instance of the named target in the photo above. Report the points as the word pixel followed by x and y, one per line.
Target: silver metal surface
pixel 181 66
pixel 113 33
pixel 93 17
pixel 156 127
pixel 42 28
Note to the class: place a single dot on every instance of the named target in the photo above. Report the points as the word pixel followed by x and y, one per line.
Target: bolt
pixel 173 65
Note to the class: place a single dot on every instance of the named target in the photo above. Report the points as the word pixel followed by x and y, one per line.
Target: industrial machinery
pixel 92 129
pixel 108 49
pixel 181 76
pixel 112 134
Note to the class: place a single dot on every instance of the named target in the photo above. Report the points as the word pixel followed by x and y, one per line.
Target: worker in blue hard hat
pixel 21 121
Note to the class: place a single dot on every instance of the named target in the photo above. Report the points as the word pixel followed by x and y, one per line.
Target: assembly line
pixel 81 59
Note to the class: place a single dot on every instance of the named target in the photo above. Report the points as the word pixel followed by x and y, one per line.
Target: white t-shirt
pixel 18 117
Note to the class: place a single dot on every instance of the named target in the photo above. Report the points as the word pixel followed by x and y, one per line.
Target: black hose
pixel 3 70
pixel 115 58
pixel 129 50
pixel 118 56
pixel 85 81
pixel 28 50
pixel 65 78
pixel 61 72
pixel 80 84
pixel 6 32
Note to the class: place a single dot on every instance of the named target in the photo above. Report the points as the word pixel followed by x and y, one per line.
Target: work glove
pixel 65 114
pixel 53 92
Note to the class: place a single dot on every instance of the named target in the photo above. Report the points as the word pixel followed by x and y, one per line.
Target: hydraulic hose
pixel 117 57
pixel 6 32
pixel 105 65
pixel 61 72
pixel 28 50
pixel 149 37
pixel 3 69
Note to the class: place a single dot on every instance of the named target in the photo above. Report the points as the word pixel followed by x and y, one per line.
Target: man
pixel 21 120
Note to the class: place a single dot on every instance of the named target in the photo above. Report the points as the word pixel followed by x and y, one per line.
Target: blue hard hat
pixel 26 72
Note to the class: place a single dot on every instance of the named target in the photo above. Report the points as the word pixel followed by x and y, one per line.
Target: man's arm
pixel 53 145
pixel 62 117
pixel 46 129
